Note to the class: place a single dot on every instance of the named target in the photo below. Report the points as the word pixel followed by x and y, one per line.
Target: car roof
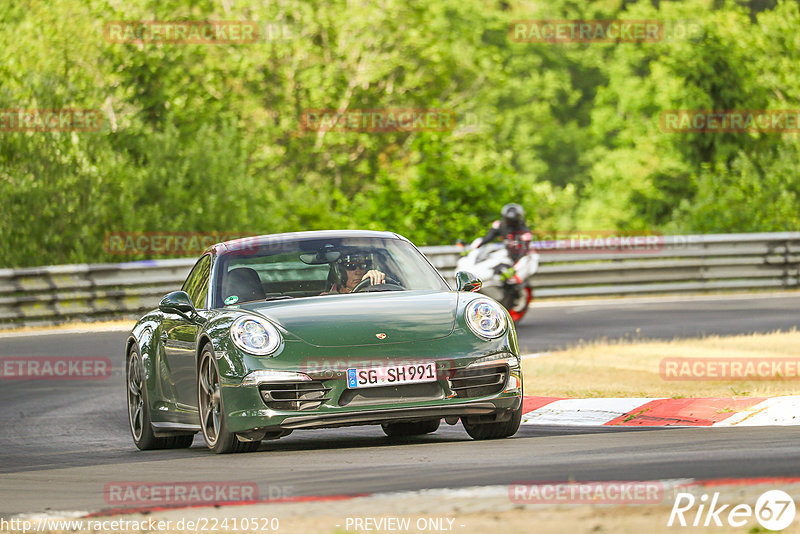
pixel 263 240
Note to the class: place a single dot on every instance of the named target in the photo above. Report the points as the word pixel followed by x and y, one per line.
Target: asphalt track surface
pixel 61 442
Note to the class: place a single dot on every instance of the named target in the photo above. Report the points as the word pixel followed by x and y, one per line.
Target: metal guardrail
pixel 693 263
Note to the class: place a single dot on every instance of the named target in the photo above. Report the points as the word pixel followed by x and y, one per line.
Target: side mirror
pixel 467 281
pixel 177 302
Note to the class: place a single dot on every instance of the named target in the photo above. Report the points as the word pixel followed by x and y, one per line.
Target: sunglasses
pixel 353 266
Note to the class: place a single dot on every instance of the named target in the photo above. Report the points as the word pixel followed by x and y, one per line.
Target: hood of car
pixel 365 319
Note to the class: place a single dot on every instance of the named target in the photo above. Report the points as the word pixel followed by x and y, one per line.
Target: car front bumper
pixel 455 394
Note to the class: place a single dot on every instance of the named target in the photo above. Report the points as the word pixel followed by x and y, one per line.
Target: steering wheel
pixel 367 282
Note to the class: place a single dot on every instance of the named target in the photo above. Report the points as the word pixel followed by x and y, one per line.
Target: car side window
pixel 196 284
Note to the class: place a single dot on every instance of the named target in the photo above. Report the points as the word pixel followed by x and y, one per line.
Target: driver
pixel 352 269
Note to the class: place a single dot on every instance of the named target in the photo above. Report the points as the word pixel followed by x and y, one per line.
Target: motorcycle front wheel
pixel 520 305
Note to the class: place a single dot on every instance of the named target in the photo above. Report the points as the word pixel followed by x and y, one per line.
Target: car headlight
pixel 255 335
pixel 486 318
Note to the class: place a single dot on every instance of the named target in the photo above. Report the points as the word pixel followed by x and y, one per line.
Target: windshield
pixel 322 266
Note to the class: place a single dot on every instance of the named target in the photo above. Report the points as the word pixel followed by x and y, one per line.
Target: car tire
pixel 499 430
pixel 139 409
pixel 211 411
pixel 418 428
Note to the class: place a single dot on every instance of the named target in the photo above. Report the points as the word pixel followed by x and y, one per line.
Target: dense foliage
pixel 200 137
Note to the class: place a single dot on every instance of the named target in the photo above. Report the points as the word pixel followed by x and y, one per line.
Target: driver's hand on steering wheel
pixel 375 277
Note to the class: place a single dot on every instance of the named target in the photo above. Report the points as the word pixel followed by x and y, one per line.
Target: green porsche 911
pixel 318 330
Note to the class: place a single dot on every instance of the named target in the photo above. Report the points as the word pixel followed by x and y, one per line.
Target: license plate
pixel 391 375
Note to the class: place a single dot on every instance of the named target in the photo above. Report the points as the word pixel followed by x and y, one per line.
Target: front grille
pixel 480 381
pixel 294 396
pixel 426 391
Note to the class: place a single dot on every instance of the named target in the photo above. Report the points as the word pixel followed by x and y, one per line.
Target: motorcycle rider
pixel 517 238
pixel 512 229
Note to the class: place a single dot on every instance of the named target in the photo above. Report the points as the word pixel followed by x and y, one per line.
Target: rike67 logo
pixel 774 510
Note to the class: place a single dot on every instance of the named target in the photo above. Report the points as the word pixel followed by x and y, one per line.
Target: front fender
pixel 144 336
pixel 231 362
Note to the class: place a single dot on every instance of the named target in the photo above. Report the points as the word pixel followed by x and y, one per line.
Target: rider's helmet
pixel 513 215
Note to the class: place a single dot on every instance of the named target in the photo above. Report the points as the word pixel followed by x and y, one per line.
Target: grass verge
pixel 631 369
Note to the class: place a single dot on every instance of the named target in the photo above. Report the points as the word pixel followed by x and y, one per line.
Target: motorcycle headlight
pixel 255 335
pixel 486 318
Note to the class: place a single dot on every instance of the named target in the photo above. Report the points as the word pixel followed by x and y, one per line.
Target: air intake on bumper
pixel 294 397
pixel 479 381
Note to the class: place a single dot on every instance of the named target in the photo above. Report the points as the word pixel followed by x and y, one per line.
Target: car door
pixel 180 337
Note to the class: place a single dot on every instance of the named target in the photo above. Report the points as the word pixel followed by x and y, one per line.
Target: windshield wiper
pixel 278 297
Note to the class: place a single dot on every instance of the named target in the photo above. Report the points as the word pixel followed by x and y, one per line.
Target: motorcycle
pixel 503 279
